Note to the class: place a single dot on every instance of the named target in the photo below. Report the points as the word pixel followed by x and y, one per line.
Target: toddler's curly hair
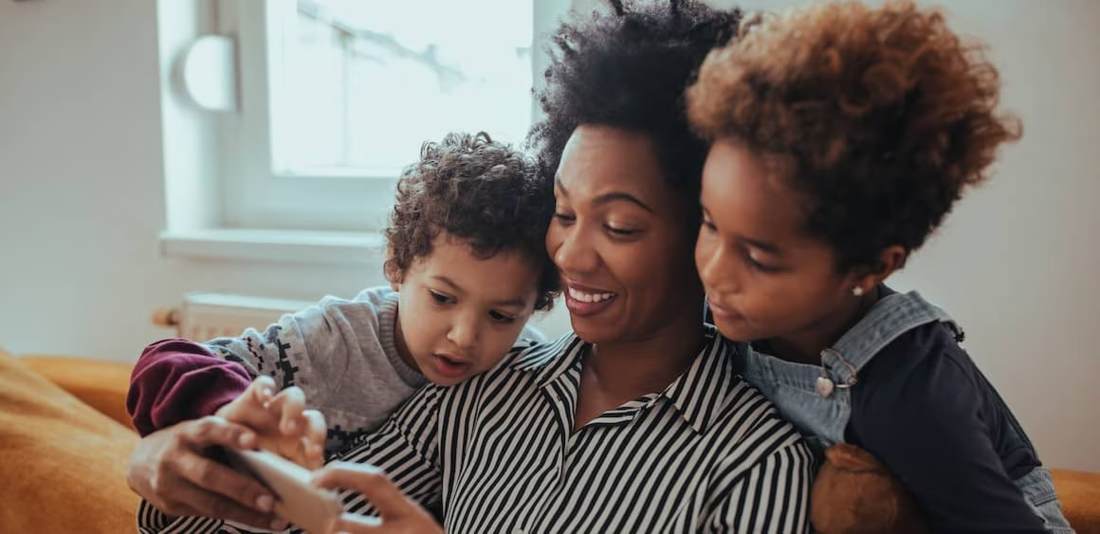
pixel 481 191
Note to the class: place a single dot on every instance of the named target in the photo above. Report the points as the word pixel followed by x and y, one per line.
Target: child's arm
pixel 178 380
pixel 316 349
pixel 926 426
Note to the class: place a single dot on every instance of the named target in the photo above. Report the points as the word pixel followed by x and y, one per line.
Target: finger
pixel 191 500
pixel 316 433
pixel 253 407
pixel 213 430
pixel 262 389
pixel 223 483
pixel 291 402
pixel 356 524
pixel 370 481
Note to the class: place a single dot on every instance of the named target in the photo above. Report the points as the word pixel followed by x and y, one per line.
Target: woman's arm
pixel 406 448
pixel 397 512
pixel 171 468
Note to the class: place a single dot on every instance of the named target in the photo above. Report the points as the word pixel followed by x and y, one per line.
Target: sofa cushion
pixel 100 384
pixel 64 463
pixel 1080 495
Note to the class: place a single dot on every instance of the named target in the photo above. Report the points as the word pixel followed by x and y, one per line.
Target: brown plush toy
pixel 855 494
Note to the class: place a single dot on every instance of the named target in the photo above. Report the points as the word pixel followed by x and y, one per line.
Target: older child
pixel 842 135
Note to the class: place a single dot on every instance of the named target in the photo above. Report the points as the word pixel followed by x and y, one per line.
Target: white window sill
pixel 289 246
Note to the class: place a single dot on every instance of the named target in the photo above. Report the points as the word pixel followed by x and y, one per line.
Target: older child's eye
pixel 757 266
pixel 564 218
pixel 502 318
pixel 709 225
pixel 440 297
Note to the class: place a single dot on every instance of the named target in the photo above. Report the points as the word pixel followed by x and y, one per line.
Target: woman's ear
pixel 889 261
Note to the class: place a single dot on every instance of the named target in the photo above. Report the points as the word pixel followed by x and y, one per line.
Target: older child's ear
pixel 890 261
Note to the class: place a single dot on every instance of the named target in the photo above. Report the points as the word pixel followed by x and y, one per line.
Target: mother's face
pixel 621 237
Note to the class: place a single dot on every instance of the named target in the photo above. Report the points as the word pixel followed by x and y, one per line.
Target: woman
pixel 637 421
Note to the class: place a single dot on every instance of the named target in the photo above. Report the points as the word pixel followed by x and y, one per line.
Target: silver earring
pixel 857 291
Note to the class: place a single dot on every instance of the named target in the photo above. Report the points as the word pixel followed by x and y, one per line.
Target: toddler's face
pixel 458 315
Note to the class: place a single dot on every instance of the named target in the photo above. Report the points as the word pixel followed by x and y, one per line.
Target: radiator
pixel 204 316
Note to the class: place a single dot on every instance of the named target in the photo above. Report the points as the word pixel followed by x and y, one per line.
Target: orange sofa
pixel 65 440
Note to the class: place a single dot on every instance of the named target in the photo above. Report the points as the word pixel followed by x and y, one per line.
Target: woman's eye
pixel 565 218
pixel 711 228
pixel 620 232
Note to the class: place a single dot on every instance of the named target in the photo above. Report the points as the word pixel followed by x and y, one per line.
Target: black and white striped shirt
pixel 498 454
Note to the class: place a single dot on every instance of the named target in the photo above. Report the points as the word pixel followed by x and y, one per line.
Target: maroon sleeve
pixel 176 380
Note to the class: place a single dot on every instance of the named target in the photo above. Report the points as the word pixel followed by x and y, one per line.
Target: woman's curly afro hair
pixel 628 69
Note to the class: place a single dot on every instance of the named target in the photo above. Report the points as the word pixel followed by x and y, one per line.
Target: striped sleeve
pixel 772 495
pixel 406 448
pixel 150 520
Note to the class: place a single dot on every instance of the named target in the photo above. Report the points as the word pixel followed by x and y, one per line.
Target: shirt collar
pixel 699 394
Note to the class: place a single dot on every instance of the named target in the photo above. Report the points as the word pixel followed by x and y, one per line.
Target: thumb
pixel 371 482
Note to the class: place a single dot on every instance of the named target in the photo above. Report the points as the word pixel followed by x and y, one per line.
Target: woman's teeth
pixel 589 297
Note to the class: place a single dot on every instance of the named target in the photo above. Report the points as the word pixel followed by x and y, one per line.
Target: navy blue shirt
pixel 925 410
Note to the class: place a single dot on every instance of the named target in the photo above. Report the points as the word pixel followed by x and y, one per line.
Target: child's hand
pixel 281 422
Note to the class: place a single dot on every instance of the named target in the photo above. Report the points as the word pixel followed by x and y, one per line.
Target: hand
pixel 169 469
pixel 281 422
pixel 397 512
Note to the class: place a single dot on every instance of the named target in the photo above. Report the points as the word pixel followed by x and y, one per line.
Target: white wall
pixel 82 187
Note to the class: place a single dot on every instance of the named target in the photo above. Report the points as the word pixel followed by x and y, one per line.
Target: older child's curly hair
pixel 478 190
pixel 879 117
pixel 628 69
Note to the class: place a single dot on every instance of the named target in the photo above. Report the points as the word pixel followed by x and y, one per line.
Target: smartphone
pixel 296 500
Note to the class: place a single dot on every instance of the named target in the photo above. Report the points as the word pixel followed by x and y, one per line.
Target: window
pixel 338 95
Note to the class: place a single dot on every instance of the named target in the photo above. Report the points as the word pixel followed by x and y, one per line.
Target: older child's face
pixel 619 239
pixel 459 315
pixel 764 277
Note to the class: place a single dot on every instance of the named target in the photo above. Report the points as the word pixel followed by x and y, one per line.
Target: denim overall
pixel 823 416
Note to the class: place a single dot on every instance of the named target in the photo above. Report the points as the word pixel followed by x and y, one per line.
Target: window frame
pixel 260 191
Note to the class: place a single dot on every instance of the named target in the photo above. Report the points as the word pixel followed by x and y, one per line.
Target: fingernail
pixel 279 524
pixel 265 503
pixel 266 392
